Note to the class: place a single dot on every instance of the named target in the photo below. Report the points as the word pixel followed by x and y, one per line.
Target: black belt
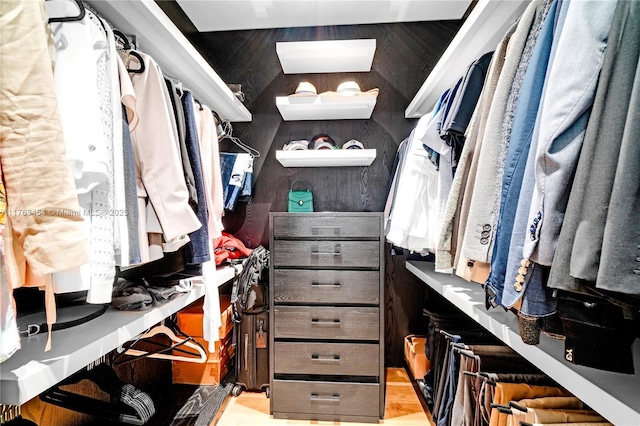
pixel 34 324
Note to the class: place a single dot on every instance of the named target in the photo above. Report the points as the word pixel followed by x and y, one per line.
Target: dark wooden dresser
pixel 327 340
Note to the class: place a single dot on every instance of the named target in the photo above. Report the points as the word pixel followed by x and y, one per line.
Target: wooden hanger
pixel 178 345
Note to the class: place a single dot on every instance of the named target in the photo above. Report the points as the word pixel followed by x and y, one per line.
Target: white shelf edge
pixel 326 157
pixel 327 107
pixel 613 395
pixel 481 32
pixel 160 38
pixel 31 371
pixel 326 56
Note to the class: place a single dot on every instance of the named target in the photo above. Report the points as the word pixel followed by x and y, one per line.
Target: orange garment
pixel 506 392
pixel 543 415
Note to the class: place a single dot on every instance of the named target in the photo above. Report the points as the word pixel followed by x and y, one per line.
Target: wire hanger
pixel 178 345
pixel 177 83
pixel 78 17
pixel 227 133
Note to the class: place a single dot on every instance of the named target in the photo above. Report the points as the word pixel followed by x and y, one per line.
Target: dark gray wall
pixel 405 55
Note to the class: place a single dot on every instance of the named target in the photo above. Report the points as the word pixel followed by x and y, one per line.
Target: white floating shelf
pixel 303 57
pixel 613 395
pixel 331 107
pixel 326 157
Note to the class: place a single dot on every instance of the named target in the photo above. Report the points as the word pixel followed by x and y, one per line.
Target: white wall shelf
pixel 326 56
pixel 31 371
pixel 326 157
pixel 613 395
pixel 326 107
pixel 481 32
pixel 160 38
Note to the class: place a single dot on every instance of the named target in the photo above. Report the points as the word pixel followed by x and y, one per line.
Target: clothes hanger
pixel 130 405
pixel 123 39
pixel 79 17
pixel 449 336
pixel 127 46
pixel 176 83
pixel 227 133
pixel 199 356
pixel 142 66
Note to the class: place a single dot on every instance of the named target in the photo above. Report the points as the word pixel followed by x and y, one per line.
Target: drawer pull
pixel 325 358
pixel 329 398
pixel 315 284
pixel 331 322
pixel 317 229
pixel 336 251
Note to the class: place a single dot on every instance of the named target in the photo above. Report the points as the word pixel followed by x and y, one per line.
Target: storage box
pixel 415 357
pixel 190 373
pixel 190 318
pixel 209 373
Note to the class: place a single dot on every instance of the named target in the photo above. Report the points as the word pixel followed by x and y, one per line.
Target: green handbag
pixel 300 201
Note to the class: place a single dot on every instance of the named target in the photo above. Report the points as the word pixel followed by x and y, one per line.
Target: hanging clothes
pixel 565 122
pixel 577 256
pixel 41 196
pixel 10 341
pixel 82 48
pixel 447 244
pixel 176 92
pixel 159 170
pixel 481 207
pixel 520 140
pixel 199 239
pixel 210 158
pixel 235 167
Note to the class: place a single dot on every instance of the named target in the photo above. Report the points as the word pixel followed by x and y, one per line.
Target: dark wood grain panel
pixel 326 225
pixel 326 286
pixel 326 254
pixel 405 54
pixel 325 398
pixel 327 358
pixel 321 322
pixel 403 302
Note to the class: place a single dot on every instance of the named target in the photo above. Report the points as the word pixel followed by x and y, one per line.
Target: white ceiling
pixel 225 15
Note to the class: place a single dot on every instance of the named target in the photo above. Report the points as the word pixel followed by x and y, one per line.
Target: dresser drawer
pixel 355 359
pixel 320 322
pixel 329 226
pixel 325 398
pixel 326 254
pixel 326 286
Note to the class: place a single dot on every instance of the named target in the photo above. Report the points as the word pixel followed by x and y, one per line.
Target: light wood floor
pixel 403 408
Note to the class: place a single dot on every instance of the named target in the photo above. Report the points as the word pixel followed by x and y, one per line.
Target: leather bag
pixel 300 201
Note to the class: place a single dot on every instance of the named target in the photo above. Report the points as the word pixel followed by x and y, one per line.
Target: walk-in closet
pixel 319 212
